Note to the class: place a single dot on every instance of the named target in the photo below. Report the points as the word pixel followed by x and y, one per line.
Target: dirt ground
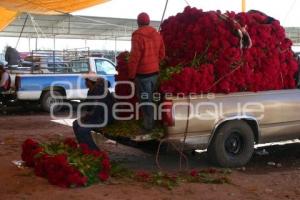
pixel 258 180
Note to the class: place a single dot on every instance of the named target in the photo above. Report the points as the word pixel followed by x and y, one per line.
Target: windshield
pixel 105 67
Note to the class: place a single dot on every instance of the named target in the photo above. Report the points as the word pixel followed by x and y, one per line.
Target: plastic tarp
pixel 9 9
pixel 6 16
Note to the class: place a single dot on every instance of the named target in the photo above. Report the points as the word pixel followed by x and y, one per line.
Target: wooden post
pixel 243 5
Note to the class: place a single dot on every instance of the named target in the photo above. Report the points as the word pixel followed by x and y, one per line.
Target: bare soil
pixel 258 180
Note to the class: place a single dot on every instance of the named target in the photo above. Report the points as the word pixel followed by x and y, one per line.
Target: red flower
pixel 195 39
pixel 103 176
pixel 124 89
pixel 58 169
pixel 85 149
pixel 77 179
pixel 70 142
pixel 143 176
pixel 40 166
pixel 30 149
pixel 106 164
pixel 194 173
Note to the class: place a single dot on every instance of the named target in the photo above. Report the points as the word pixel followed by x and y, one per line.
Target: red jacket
pixel 147 50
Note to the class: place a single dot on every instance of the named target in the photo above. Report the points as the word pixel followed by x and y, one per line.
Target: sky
pixel 287 11
pixel 284 10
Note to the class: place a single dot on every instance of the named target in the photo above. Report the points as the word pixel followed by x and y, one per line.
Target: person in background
pixel 12 56
pixel 4 79
pixel 297 76
pixel 95 115
pixel 147 50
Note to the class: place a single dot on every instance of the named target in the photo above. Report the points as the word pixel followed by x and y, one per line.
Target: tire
pixel 232 145
pixel 49 98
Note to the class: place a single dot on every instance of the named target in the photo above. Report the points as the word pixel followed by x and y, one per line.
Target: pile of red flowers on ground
pixel 205 53
pixel 65 163
pixel 123 88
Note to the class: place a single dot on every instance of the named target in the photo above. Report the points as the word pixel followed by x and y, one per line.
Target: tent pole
pixel 29 46
pixel 54 43
pixel 36 44
pixel 116 50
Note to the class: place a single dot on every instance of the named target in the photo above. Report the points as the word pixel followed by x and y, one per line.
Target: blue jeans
pixel 84 136
pixel 146 86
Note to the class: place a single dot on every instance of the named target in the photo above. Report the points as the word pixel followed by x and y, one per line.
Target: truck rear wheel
pixel 52 98
pixel 232 144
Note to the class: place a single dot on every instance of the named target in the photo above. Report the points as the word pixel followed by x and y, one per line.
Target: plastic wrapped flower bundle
pixel 224 53
pixel 65 163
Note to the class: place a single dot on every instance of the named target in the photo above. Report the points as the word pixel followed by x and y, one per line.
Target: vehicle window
pixel 79 66
pixel 54 59
pixel 104 67
pixel 60 68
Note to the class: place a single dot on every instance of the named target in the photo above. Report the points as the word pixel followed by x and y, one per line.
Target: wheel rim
pixel 234 144
pixel 52 101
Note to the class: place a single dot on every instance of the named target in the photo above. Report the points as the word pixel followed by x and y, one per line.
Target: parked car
pixel 63 84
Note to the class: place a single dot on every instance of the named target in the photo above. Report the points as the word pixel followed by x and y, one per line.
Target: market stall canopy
pixel 72 27
pixel 10 9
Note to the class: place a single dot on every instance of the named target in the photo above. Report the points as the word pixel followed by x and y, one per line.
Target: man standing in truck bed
pixel 147 51
pixel 12 56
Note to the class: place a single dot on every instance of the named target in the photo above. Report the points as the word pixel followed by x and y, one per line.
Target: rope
pixel 163 15
pixel 182 155
pixel 22 30
pixel 220 79
pixel 186 130
pixel 186 1
pixel 180 151
pixel 37 27
pixel 157 154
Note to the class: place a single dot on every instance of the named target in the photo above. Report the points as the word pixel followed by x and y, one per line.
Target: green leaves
pixel 167 73
pixel 210 176
pixel 171 180
pixel 165 180
pixel 119 171
pixel 131 128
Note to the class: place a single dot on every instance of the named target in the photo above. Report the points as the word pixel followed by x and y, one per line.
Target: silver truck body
pixel 272 116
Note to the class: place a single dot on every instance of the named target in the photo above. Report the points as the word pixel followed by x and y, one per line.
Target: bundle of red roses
pixel 123 88
pixel 66 163
pixel 225 53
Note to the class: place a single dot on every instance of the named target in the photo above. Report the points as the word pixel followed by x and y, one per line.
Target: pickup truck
pixel 50 86
pixel 229 125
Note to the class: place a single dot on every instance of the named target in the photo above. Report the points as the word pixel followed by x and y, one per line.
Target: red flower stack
pixel 209 55
pixel 124 89
pixel 66 163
